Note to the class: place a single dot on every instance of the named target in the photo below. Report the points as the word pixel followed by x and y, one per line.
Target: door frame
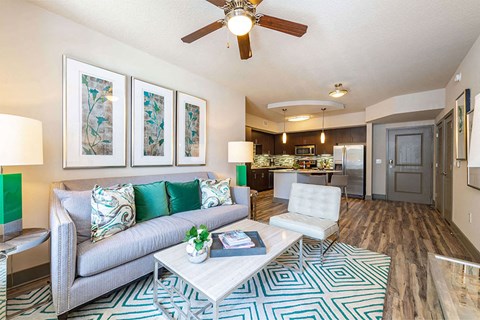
pixel 432 129
pixel 443 121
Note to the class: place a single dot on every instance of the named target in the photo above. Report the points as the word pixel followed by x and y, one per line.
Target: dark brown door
pixel 410 165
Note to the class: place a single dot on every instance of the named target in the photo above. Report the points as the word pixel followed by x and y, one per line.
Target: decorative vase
pixel 198 256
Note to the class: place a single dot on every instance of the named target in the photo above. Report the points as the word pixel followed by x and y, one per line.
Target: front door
pixel 410 165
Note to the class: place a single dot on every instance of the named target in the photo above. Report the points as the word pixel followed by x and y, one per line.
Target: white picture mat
pixel 182 160
pixel 72 126
pixel 473 174
pixel 138 129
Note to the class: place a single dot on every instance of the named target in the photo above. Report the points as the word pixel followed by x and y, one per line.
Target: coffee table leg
pixel 300 254
pixel 215 311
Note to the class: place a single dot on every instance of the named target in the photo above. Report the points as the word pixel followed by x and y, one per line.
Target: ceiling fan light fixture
pixel 338 92
pixel 239 21
pixel 298 118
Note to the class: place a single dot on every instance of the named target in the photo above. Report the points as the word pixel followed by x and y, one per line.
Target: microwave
pixel 308 150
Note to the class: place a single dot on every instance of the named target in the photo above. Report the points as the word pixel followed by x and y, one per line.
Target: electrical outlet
pixel 470 217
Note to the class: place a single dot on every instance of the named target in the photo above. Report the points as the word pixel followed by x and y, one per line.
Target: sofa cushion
pixel 113 210
pixel 215 217
pixel 215 192
pixel 184 196
pixel 142 239
pixel 151 201
pixel 78 206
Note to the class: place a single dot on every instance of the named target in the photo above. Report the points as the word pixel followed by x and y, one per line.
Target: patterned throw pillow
pixel 113 210
pixel 215 193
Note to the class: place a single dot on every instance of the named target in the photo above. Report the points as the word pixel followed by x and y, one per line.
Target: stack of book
pixel 236 239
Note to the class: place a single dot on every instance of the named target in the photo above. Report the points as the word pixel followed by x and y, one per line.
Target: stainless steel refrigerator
pixel 351 160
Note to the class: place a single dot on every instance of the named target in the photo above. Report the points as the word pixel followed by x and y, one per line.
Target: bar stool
pixel 340 181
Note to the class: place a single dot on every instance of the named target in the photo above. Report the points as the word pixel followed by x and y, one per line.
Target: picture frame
pixel 94 116
pixel 462 104
pixel 153 123
pixel 473 174
pixel 191 130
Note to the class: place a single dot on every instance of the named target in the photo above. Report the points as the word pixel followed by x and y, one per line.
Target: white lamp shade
pixel 240 152
pixel 474 153
pixel 21 141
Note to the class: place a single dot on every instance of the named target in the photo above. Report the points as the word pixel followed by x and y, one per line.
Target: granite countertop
pixel 307 171
pixel 271 167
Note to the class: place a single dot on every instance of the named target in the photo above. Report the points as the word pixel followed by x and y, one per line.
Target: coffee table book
pixel 217 250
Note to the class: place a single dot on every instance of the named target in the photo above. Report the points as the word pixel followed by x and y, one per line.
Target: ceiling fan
pixel 240 17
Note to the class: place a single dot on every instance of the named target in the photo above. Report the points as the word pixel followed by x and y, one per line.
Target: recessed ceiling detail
pixel 305 107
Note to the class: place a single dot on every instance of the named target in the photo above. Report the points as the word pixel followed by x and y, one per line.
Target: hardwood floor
pixel 404 231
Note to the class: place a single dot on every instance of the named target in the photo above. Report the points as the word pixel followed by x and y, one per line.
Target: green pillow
pixel 151 200
pixel 184 196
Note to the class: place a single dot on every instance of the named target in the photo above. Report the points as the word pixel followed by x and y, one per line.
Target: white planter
pixel 197 256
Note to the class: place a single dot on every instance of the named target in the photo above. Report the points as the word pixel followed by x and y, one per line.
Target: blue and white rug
pixel 351 284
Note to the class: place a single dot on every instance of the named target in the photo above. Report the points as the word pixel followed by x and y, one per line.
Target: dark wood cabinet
pixel 258 179
pixel 264 142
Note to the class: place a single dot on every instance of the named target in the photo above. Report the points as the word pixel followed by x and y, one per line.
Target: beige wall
pixel 465 199
pixel 379 171
pixel 32 43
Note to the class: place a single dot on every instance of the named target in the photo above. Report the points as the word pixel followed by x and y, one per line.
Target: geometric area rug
pixel 351 284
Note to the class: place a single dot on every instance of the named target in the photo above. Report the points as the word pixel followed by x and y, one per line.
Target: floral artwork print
pixel 192 128
pixel 154 124
pixel 97 116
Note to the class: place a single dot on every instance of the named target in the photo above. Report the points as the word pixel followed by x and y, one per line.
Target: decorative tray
pixel 217 250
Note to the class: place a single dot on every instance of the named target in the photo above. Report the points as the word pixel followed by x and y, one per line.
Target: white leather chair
pixel 313 211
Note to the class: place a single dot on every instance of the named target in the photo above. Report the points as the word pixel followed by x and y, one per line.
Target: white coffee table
pixel 217 278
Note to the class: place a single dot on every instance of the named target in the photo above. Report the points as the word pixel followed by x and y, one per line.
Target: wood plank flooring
pixel 403 231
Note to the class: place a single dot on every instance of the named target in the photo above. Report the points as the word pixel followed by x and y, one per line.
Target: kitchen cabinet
pixel 265 142
pixel 258 179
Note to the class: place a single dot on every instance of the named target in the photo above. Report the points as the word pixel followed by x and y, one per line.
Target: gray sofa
pixel 81 272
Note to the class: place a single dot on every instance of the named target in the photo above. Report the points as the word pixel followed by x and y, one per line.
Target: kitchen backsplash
pixel 261 161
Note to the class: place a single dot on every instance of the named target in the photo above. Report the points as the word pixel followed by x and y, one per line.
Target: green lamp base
pixel 10 206
pixel 241 175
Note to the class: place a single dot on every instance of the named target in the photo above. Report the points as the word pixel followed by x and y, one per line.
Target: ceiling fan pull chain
pixel 228 38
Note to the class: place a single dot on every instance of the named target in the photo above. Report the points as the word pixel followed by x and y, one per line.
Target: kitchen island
pixel 284 178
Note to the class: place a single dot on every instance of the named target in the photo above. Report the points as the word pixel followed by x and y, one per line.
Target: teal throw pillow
pixel 184 196
pixel 113 210
pixel 151 201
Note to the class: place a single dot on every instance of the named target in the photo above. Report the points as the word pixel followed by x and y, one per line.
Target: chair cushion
pixel 151 201
pixel 317 201
pixel 184 196
pixel 313 227
pixel 142 239
pixel 215 217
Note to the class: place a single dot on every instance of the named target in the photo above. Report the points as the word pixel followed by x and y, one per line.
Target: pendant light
pixel 322 135
pixel 284 135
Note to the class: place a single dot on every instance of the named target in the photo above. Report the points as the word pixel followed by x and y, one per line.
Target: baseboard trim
pixel 379 196
pixel 368 197
pixel 28 275
pixel 280 200
pixel 466 243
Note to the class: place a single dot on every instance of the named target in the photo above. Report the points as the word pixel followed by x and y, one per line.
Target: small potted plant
pixel 198 242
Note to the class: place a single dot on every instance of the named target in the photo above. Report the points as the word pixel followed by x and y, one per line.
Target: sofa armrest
pixel 241 195
pixel 63 253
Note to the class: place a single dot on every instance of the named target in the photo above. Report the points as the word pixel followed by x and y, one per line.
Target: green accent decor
pixel 11 198
pixel 241 175
pixel 184 196
pixel 151 200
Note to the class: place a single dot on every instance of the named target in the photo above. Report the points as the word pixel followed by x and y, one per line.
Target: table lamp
pixel 20 144
pixel 240 152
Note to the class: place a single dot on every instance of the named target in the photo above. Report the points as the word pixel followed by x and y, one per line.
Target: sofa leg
pixel 63 316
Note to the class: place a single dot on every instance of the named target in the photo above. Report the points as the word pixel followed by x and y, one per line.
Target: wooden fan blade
pixel 244 46
pixel 255 2
pixel 203 31
pixel 277 24
pixel 218 3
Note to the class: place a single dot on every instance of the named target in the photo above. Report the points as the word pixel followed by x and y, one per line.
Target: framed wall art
pixel 191 130
pixel 473 174
pixel 152 124
pixel 94 116
pixel 462 104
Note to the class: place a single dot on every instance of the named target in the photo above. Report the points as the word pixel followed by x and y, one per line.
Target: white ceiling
pixel 376 48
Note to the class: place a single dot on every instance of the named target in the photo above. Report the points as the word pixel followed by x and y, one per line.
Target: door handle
pixel 444 174
pixel 390 163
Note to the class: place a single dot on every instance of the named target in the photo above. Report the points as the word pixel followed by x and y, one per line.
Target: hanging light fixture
pixel 240 21
pixel 322 135
pixel 338 92
pixel 284 135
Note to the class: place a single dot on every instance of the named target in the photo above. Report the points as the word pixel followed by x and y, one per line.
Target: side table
pixel 253 201
pixel 29 238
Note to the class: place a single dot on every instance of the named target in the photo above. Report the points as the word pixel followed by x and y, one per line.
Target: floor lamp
pixel 240 152
pixel 21 144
